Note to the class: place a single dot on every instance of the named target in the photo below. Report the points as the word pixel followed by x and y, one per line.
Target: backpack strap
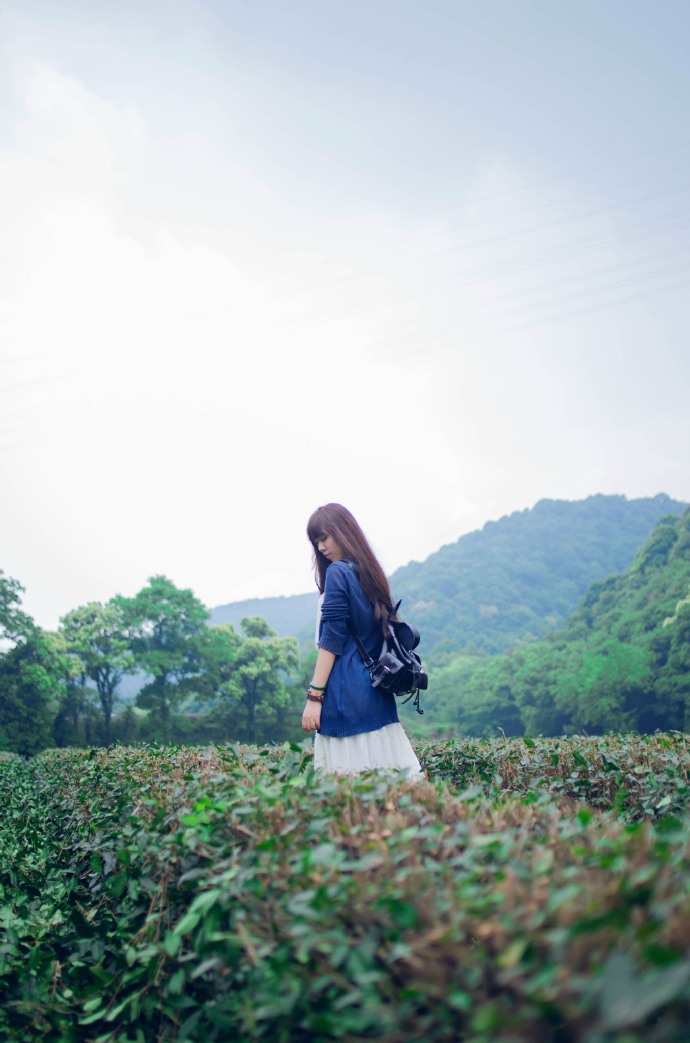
pixel 368 661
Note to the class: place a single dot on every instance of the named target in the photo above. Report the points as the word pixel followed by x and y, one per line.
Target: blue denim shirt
pixel 351 705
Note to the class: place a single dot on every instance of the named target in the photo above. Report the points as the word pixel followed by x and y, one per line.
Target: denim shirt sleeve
pixel 335 609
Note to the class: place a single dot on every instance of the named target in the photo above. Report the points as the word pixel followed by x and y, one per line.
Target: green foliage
pixel 14 623
pixel 165 625
pixel 635 776
pixel 214 894
pixel 247 675
pixel 31 688
pixel 207 683
pixel 621 661
pixel 30 677
pixel 96 635
pixel 518 578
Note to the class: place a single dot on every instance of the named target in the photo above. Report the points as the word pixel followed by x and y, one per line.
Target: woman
pixel 357 725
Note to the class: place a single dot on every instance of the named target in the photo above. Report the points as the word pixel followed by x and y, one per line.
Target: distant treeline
pixel 203 684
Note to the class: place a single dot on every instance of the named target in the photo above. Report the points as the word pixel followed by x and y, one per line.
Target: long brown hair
pixel 335 520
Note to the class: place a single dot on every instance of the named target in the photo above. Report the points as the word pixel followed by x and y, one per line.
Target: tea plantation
pixel 527 890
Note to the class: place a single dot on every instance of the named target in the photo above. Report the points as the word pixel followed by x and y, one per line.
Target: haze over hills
pixel 290 616
pixel 510 583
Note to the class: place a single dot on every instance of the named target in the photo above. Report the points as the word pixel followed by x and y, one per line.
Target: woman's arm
pixel 311 717
pixel 333 635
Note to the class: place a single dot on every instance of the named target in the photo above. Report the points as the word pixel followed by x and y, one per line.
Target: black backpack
pixel 398 668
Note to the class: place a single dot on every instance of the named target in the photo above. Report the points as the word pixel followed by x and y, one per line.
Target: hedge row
pixel 637 776
pixel 215 894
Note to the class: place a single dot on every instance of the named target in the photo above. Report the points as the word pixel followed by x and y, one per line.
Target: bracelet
pixel 314 698
pixel 318 687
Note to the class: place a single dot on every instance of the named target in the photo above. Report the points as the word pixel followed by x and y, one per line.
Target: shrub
pixel 228 893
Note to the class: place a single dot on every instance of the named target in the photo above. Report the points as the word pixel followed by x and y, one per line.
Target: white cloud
pixel 187 401
pixel 200 364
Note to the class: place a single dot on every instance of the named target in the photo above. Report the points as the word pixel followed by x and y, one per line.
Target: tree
pixel 96 635
pixel 218 648
pixel 248 677
pixel 31 687
pixel 14 623
pixel 30 677
pixel 75 696
pixel 164 625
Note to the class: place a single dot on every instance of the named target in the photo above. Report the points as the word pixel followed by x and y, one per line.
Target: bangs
pixel 332 519
pixel 318 525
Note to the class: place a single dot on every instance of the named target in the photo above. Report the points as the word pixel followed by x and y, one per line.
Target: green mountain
pixel 520 577
pixel 508 584
pixel 621 661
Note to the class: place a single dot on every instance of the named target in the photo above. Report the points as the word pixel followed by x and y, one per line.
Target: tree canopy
pixel 164 624
pixel 249 674
pixel 97 636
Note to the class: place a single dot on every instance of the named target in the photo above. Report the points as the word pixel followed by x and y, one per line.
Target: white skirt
pixel 387 747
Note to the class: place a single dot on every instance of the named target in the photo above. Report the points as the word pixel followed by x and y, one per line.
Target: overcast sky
pixel 428 258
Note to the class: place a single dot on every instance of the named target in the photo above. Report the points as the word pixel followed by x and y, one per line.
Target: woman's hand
pixel 311 716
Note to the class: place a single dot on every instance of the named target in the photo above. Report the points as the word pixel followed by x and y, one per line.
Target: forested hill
pixel 620 663
pixel 509 583
pixel 520 577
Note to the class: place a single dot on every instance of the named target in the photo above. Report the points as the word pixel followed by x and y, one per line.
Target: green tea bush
pixel 639 776
pixel 229 893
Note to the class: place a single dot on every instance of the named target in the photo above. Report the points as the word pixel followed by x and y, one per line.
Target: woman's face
pixel 330 548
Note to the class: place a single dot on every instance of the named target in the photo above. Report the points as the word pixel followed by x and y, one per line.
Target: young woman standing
pixel 356 725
